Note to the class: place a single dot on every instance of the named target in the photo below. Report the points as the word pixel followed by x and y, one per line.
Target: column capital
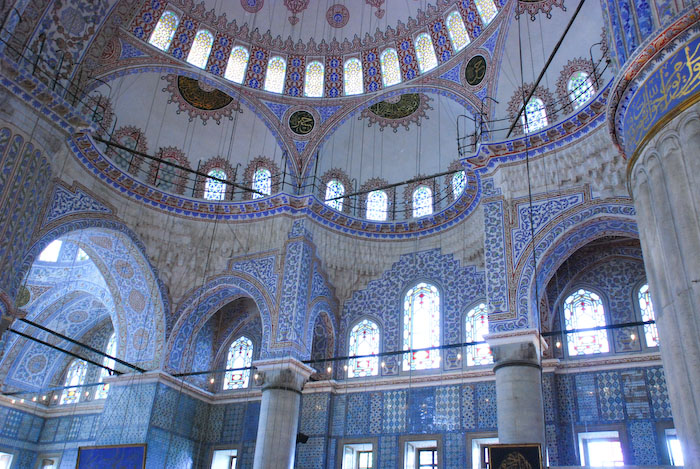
pixel 516 348
pixel 282 373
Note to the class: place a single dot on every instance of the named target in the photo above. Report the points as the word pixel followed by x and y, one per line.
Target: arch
pixel 535 116
pixel 422 326
pixel 255 164
pixel 364 338
pixel 163 34
pixel 262 182
pixel 583 308
pixel 352 77
pixel 458 32
pixel 240 355
pixel 321 306
pixel 202 303
pixel 169 177
pixel 377 205
pixel 334 188
pixel 459 182
pixel 201 48
pixel 425 52
pixel 75 376
pixel 580 89
pixel 487 10
pixel 130 137
pixel 476 325
pixel 274 77
pixel 220 164
pixel 646 313
pixel 391 71
pixel 237 64
pixel 322 345
pixel 313 80
pixel 422 201
pixel 214 188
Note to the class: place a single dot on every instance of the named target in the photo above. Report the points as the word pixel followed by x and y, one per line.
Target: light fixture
pixel 558 344
pixel 345 367
pixel 43 398
pixel 34 399
pixel 87 393
pixel 211 381
pixel 21 401
pixel 13 401
pixel 55 396
pixel 383 365
pixel 459 356
pixel 329 369
pixel 633 336
pixel 256 376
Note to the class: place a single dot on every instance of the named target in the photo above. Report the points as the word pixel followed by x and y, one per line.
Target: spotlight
pixel 34 399
pixel 55 396
pixel 256 376
pixel 211 381
pixel 558 344
pixel 633 336
pixel 329 369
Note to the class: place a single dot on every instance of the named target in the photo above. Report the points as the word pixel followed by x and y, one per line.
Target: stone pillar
pixel 518 371
pixel 282 381
pixel 665 183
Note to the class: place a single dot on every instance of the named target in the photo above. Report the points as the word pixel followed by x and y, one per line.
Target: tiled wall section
pixel 19 435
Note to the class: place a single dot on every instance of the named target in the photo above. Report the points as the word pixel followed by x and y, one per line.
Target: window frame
pixel 67 387
pixel 321 61
pixel 223 193
pixel 441 321
pixel 253 195
pixel 267 73
pixel 362 75
pixel 201 28
pixel 641 333
pixel 570 93
pixel 428 68
pixel 179 16
pixel 525 121
pixel 226 350
pixel 398 64
pixel 413 201
pixel 237 447
pixel 423 441
pixel 470 442
pixel 449 30
pixel 386 205
pixel 343 442
pixel 380 326
pixel 228 61
pixel 572 289
pixel 465 315
pixel 620 428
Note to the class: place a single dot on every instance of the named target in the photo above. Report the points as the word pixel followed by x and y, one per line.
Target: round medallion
pixel 36 364
pixel 124 269
pixel 140 340
pixel 476 70
pixel 77 316
pixel 137 301
pixel 252 6
pixel 23 297
pixel 301 122
pixel 337 16
pixel 202 96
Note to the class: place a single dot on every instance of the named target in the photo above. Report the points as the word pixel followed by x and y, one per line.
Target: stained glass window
pixel 427 60
pixel 377 202
pixel 582 310
pixel 164 31
pixel 50 252
pixel 240 355
pixel 477 323
pixel 580 89
pixel 422 201
pixel 421 327
pixel 353 77
pixel 334 189
pixel 536 116
pixel 487 10
pixel 237 64
pixel 74 377
pixel 651 333
pixel 364 340
pixel 458 33
pixel 276 69
pixel 111 349
pixel 459 182
pixel 201 47
pixel 391 72
pixel 262 182
pixel 213 189
pixel 313 81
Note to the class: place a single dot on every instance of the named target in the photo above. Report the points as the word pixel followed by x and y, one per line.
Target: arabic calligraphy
pixel 475 71
pixel 301 122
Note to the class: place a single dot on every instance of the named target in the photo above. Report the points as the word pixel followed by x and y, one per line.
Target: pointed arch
pixel 201 48
pixel 421 327
pixel 163 34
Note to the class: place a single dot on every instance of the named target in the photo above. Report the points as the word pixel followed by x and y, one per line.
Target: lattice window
pixel 262 182
pixel 240 358
pixel 201 47
pixel 458 32
pixel 422 201
pixel 582 310
pixel 50 252
pixel 353 77
pixel 274 78
pixel 213 189
pixel 313 81
pixel 536 115
pixel 364 340
pixel 459 182
pixel 651 333
pixel 237 64
pixel 391 71
pixel 487 10
pixel 377 205
pixel 164 32
pixel 111 349
pixel 427 60
pixel 74 377
pixel 477 326
pixel 334 189
pixel 421 327
pixel 580 89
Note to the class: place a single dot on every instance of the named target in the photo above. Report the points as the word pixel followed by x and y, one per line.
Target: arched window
pixel 582 310
pixel 487 10
pixel 111 349
pixel 422 201
pixel 459 182
pixel 164 31
pixel 427 60
pixel 237 64
pixel 213 189
pixel 81 256
pixel 51 252
pixel 240 355
pixel 201 47
pixel 391 72
pixel 313 81
pixel 477 326
pixel 364 340
pixel 74 377
pixel 334 189
pixel 536 116
pixel 651 333
pixel 580 89
pixel 377 202
pixel 262 182
pixel 458 33
pixel 353 77
pixel 421 327
pixel 274 79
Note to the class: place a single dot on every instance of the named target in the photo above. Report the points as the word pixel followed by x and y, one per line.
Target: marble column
pixel 518 372
pixel 282 381
pixel 665 184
